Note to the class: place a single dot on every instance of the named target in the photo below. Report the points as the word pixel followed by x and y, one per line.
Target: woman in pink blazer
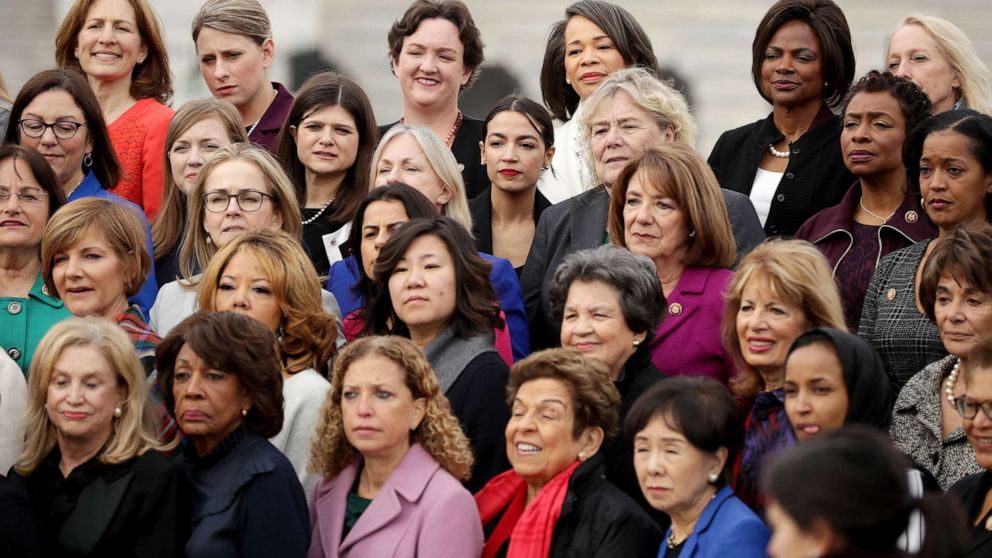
pixel 392 457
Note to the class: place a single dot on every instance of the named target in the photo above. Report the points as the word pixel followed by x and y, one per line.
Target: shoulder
pixel 967 488
pixel 738 136
pixel 920 385
pixel 487 362
pixel 154 111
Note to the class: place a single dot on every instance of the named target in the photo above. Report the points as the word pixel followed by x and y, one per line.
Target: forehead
pixel 14 172
pixel 402 146
pixel 761 288
pixel 649 183
pixel 435 33
pixel 209 127
pixel 795 34
pixel 245 261
pixel 948 144
pixel 384 210
pixel 427 244
pixel 912 37
pixel 83 360
pixel 54 103
pixel 619 106
pixel 374 369
pixel 818 359
pixel 111 9
pixel 581 28
pixel 878 101
pixel 332 113
pixel 511 122
pixel 212 40
pixel 236 175
pixel 535 391
pixel 592 293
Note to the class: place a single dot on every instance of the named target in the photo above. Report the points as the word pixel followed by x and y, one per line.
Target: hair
pixel 439 432
pixel 963 255
pixel 795 271
pixel 450 10
pixel 234 344
pixel 595 398
pixel 237 17
pixel 974 126
pixel 634 278
pixel 700 408
pixel 121 227
pixel 913 102
pixel 149 78
pixel 131 435
pixel 329 89
pixel 105 166
pixel 476 305
pixel 627 35
pixel 195 249
pixel 533 112
pixel 677 171
pixel 41 171
pixel 308 334
pixel 829 25
pixel 873 509
pixel 442 162
pixel 972 73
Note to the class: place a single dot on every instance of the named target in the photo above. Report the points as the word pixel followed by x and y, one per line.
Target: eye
pixel 528 146
pixel 312 127
pixel 447 58
pixel 92 256
pixel 822 390
pixel 411 169
pixel 260 289
pixel 639 449
pixel 573 52
pixel 60 382
pixel 414 52
pixel 180 148
pixel 790 391
pixel 955 171
pixel 599 131
pixel 207 60
pixel 383 394
pixel 920 58
pixel 893 65
pixel 943 299
pixel 349 394
pixel 180 376
pixel 850 124
pixel 746 307
pixel 211 147
pixel 633 202
pixel 214 376
pixel 384 170
pixel 344 131
pixel 771 56
pixel 924 170
pixel 495 143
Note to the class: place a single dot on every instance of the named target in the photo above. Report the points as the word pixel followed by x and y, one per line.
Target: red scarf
pixel 529 527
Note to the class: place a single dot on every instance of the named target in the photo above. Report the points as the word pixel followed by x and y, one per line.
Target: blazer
pixel 727 527
pixel 971 491
pixel 482 217
pixel 421 511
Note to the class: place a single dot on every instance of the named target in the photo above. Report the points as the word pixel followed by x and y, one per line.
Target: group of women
pixel 265 325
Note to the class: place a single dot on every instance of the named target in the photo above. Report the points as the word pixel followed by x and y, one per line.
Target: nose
pixel 220 69
pixel 510 154
pixel 393 176
pixel 196 158
pixel 415 278
pixel 583 326
pixel 613 137
pixel 981 420
pixel 861 132
pixel 232 206
pixel 655 463
pixel 902 70
pixel 107 34
pixel 801 402
pixel 428 63
pixel 241 298
pixel 327 136
pixel 936 180
pixel 643 214
pixel 364 406
pixel 12 205
pixel 588 57
pixel 72 267
pixel 955 311
pixel 193 388
pixel 75 393
pixel 381 238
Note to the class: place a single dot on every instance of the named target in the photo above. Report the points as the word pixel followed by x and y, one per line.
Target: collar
pixel 924 398
pixel 449 354
pixel 39 292
pixel 274 116
pixel 709 513
pixel 226 446
pixel 822 130
pixel 909 220
pixel 89 187
pixel 693 280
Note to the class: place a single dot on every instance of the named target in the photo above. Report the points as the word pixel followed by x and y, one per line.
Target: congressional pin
pixel 890 294
pixel 675 309
pixel 911 216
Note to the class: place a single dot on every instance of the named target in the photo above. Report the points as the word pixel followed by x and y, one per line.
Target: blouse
pixel 138 138
pixel 766 431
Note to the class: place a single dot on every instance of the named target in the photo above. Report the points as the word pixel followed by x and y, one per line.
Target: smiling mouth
pixel 523 448
pixel 427 82
pixel 106 56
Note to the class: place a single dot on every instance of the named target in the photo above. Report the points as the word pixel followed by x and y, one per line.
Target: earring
pixel 583 456
pixel 244 412
pixel 118 412
pixel 692 233
pixel 637 342
pixel 568 81
pixel 482 162
pixel 282 334
pixel 209 240
pixel 713 478
pixel 88 159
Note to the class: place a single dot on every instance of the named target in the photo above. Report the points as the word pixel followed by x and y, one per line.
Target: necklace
pixel 454 128
pixel 780 154
pixel 673 541
pixel 952 379
pixel 320 212
pixel 861 202
pixel 252 128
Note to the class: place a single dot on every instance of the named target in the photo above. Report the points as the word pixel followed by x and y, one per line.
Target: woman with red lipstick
pixel 879 213
pixel 948 157
pixel 789 164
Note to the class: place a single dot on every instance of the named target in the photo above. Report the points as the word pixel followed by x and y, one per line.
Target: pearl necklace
pixel 780 154
pixel 252 128
pixel 861 202
pixel 952 379
pixel 319 213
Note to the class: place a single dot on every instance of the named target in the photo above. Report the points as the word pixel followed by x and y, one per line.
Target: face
pixel 327 141
pixel 815 393
pixel 381 220
pixel 423 287
pixel 83 392
pixel 431 66
pixel 64 155
pixel 673 474
pixel 514 152
pixel 788 539
pixel 766 326
pixel 964 315
pixel 232 177
pixel 22 221
pixel 953 183
pixel 193 148
pixel 590 56
pixel 792 71
pixel 653 224
pixel 109 43
pixel 90 277
pixel 403 160
pixel 377 408
pixel 245 288
pixel 979 429
pixel 233 66
pixel 593 324
pixel 873 132
pixel 915 55
pixel 621 131
pixel 208 401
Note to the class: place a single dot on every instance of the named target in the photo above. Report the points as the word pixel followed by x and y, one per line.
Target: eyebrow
pixel 438 49
pixel 594 39
pixel 871 114
pixel 504 136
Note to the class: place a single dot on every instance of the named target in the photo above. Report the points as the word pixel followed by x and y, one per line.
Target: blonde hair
pixel 309 335
pixel 131 434
pixel 795 271
pixel 442 162
pixel 196 249
pixel 439 433
pixel 237 17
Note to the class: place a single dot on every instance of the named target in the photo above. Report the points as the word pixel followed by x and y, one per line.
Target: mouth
pixel 233 229
pixel 784 85
pixel 191 176
pixel 193 415
pixel 325 155
pixel 657 491
pixel 526 450
pixel 52 157
pixel 617 160
pixel 939 204
pixel 860 155
pixel 957 336
pixel 759 344
pixel 585 346
pixel 591 77
pixel 225 90
pixel 808 429
pixel 77 291
pixel 11 223
pixel 364 430
pixel 643 237
pixel 106 56
pixel 428 82
pixel 74 415
pixel 510 173
pixel 981 443
pixel 414 300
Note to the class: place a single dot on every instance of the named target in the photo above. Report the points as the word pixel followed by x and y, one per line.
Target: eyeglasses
pixel 969 409
pixel 27 195
pixel 248 200
pixel 63 129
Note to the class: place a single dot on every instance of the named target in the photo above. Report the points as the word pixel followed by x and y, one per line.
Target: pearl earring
pixel 118 412
pixel 583 456
pixel 713 478
pixel 244 412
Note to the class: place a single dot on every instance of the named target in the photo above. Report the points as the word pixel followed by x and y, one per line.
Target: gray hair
pixel 633 277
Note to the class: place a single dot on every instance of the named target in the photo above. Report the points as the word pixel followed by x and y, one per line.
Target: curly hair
pixel 913 102
pixel 962 254
pixel 453 11
pixel 439 432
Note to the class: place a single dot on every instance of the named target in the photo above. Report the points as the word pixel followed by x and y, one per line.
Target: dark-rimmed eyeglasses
pixel 248 200
pixel 63 129
pixel 26 195
pixel 968 409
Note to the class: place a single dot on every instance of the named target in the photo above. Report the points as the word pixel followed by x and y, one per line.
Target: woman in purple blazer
pixel 392 456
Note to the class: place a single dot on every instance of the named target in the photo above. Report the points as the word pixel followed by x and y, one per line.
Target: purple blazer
pixel 687 342
pixel 420 511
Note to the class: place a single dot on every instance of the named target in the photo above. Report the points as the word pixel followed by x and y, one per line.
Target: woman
pixel 956 292
pixel 326 148
pixel 433 288
pixel 197 131
pixel 30 194
pixel 518 144
pixel 594 40
pixel 132 86
pixel 685 432
pixel 373 450
pixel 789 164
pixel 939 57
pixel 435 51
pixel 556 501
pixel 949 157
pixel 234 46
pixel 99 485
pixel 220 374
pixel 265 275
pixel 879 213
pixel 845 493
pixel 666 205
pixel 780 290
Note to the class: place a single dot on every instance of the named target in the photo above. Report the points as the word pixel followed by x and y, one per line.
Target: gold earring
pixel 583 456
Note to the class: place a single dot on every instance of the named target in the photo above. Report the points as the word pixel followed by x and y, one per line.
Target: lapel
pixel 588 221
pixel 706 519
pixel 334 498
pixel 95 507
pixel 692 283
pixel 481 208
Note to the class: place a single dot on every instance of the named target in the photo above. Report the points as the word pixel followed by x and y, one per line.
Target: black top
pixel 481 209
pixel 18 530
pixel 971 491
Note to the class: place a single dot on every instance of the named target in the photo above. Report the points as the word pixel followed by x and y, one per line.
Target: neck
pixel 322 187
pixel 19 268
pixel 884 192
pixel 376 471
pixel 422 336
pixel 684 520
pixel 512 207
pixel 252 111
pixel 669 272
pixel 774 378
pixel 114 97
pixel 793 122
pixel 115 309
pixel 69 186
pixel 439 119
pixel 75 452
pixel 532 490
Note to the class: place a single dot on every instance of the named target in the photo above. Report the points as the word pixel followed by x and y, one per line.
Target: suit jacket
pixel 727 527
pixel 971 491
pixel 420 511
pixel 482 217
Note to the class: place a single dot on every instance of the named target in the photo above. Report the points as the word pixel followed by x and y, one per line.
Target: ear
pixel 549 156
pixel 143 53
pixel 467 77
pixel 277 219
pixel 668 135
pixel 419 412
pixel 293 132
pixel 268 47
pixel 720 460
pixel 640 337
pixel 244 401
pixel 956 83
pixel 392 66
pixel 591 439
pixel 444 197
pixel 824 535
pixel 482 151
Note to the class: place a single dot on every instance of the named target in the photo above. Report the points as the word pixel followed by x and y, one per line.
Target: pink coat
pixel 420 511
